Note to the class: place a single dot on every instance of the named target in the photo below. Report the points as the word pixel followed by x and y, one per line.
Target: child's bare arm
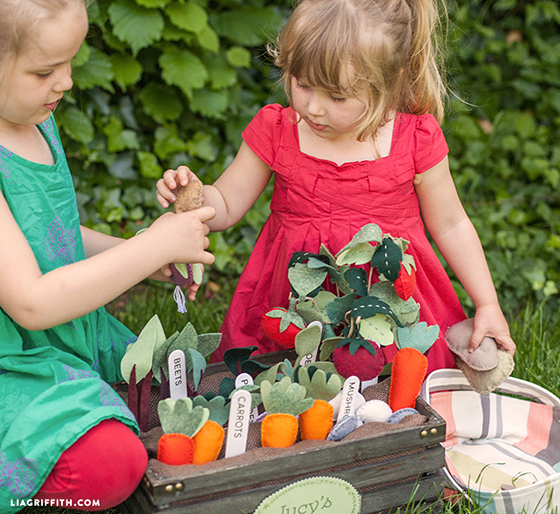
pixel 455 236
pixel 232 195
pixel 38 301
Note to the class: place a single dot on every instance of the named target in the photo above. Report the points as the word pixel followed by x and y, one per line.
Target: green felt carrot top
pixel 285 397
pixel 180 417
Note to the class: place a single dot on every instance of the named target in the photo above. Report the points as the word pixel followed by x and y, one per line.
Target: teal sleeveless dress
pixel 53 383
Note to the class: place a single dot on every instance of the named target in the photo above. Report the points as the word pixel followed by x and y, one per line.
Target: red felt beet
pixel 362 364
pixel 405 283
pixel 271 327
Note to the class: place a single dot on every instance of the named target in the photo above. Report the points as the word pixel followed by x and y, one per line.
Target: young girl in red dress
pixel 359 143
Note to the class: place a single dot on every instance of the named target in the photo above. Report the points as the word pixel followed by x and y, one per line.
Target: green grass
pixel 536 332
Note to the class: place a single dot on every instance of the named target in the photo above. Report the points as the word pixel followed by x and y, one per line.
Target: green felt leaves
pixel 419 336
pixel 319 384
pixel 285 397
pixel 181 417
pixel 140 353
pixel 217 408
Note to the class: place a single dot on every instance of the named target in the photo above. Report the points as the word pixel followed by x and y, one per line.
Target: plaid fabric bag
pixel 503 450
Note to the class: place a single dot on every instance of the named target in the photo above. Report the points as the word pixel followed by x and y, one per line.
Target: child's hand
pixel 490 321
pixel 170 181
pixel 182 237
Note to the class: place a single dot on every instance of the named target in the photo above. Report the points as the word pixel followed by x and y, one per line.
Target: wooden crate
pixel 387 470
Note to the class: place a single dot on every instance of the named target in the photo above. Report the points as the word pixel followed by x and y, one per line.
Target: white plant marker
pixel 238 423
pixel 368 383
pixel 311 357
pixel 348 401
pixel 244 379
pixel 177 375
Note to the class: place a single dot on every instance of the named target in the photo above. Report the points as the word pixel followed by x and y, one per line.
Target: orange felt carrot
pixel 316 422
pixel 208 442
pixel 407 375
pixel 175 449
pixel 279 430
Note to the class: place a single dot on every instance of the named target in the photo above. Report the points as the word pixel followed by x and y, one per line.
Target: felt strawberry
pixel 406 282
pixel 283 325
pixel 358 357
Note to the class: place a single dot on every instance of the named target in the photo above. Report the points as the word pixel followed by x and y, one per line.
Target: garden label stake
pixel 177 375
pixel 348 402
pixel 244 379
pixel 238 423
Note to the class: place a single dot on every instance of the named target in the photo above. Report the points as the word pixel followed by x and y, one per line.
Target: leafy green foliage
pixel 160 83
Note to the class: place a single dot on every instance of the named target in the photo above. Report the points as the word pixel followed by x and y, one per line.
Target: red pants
pixel 99 471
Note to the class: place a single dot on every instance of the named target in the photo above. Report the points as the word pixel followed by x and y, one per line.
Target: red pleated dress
pixel 317 201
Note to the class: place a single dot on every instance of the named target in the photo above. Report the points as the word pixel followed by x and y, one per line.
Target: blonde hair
pixel 386 49
pixel 19 18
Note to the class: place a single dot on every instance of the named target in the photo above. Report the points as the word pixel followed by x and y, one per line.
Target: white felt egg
pixel 374 410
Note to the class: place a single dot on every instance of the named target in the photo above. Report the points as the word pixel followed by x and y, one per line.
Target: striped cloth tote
pixel 503 450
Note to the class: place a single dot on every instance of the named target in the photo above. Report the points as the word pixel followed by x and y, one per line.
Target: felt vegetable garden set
pixel 307 399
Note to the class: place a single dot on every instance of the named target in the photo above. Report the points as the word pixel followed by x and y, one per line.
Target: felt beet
pixel 178 278
pixel 358 357
pixel 405 283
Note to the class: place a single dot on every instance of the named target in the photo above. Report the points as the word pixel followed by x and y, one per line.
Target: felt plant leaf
pixel 253 367
pixel 255 390
pixel 302 257
pixel 328 346
pixel 369 306
pixel 208 343
pixel 378 329
pixel 285 397
pixel 187 338
pixel 318 384
pixel 308 340
pixel 286 317
pixel 338 308
pixel 159 359
pixel 314 309
pixel 226 387
pixel 370 233
pixel 180 417
pixel 420 336
pixel 408 262
pixel 140 353
pixel 305 280
pixel 387 258
pixel 234 357
pixel 357 255
pixel 219 411
pixel 197 364
pixel 357 279
pixel 271 373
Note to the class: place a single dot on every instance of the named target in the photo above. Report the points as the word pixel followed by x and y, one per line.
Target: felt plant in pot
pixel 283 401
pixel 180 422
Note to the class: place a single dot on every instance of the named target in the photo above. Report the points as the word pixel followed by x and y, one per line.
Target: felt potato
pixel 189 197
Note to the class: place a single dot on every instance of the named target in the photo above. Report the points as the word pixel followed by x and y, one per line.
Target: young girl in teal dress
pixel 359 143
pixel 66 438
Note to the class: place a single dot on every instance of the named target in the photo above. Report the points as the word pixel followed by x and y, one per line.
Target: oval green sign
pixel 315 495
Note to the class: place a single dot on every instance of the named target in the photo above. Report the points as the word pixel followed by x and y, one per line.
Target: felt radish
pixel 283 325
pixel 283 401
pixel 180 423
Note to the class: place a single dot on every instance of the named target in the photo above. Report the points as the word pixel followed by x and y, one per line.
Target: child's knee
pixel 101 469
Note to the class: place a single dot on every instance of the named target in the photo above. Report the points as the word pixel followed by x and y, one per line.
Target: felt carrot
pixel 283 401
pixel 316 422
pixel 322 386
pixel 410 364
pixel 180 423
pixel 208 441
pixel 407 375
